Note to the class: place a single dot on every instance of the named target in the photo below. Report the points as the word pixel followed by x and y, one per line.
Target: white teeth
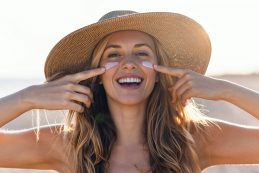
pixel 130 80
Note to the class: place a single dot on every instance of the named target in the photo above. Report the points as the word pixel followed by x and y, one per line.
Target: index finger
pixel 170 70
pixel 87 74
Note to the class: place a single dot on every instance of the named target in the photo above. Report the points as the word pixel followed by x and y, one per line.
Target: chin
pixel 130 101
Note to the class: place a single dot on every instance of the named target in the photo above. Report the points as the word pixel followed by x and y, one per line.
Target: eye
pixel 113 55
pixel 142 54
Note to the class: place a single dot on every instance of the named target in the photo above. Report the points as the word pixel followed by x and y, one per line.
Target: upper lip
pixel 130 76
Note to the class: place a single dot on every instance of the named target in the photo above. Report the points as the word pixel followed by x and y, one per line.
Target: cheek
pixel 106 79
pixel 151 78
pixel 151 73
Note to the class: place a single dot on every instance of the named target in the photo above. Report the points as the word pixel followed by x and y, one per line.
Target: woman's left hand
pixel 192 84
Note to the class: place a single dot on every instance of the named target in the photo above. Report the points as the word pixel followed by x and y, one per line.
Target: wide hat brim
pixel 184 40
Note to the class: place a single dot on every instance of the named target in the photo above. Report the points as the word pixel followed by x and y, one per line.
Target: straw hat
pixel 184 40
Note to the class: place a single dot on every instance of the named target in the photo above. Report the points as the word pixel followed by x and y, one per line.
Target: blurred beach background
pixel 29 29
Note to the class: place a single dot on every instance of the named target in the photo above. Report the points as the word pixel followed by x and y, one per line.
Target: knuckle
pixel 79 108
pixel 87 90
pixel 65 103
pixel 88 100
pixel 69 85
pixel 68 94
pixel 85 99
pixel 88 104
pixel 78 76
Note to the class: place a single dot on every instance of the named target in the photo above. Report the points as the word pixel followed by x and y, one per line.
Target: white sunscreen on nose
pixel 147 64
pixel 110 65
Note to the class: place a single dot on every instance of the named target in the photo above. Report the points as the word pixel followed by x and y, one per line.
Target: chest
pixel 129 162
pixel 128 167
pixel 134 160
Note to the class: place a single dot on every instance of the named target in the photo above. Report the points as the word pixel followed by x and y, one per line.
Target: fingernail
pixel 154 65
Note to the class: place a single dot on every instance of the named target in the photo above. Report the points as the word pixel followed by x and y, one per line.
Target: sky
pixel 30 28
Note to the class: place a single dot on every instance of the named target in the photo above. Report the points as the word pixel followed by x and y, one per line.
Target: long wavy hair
pixel 170 144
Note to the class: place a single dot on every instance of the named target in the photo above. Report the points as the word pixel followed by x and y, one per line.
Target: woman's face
pixel 126 79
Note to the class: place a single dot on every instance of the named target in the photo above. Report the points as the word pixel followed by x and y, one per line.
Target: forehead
pixel 134 37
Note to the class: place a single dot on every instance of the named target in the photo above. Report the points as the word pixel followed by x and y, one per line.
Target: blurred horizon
pixel 9 85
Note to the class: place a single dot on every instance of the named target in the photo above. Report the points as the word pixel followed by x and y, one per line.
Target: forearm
pixel 242 97
pixel 12 106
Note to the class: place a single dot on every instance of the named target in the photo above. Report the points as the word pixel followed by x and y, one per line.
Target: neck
pixel 129 122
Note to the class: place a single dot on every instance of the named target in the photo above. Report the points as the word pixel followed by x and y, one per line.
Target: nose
pixel 129 63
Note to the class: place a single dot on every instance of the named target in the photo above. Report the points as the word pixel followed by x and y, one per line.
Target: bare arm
pixel 64 93
pixel 12 106
pixel 20 149
pixel 242 97
pixel 227 143
pixel 191 84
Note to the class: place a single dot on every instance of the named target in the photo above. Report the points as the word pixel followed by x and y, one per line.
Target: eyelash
pixel 112 55
pixel 142 54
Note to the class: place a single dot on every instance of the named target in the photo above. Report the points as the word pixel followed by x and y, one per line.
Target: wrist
pixel 25 98
pixel 227 91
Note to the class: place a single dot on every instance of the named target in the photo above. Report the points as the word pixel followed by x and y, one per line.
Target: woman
pixel 127 80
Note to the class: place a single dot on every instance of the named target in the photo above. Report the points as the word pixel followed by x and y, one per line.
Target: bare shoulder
pixel 47 151
pixel 222 142
pixel 204 137
pixel 57 140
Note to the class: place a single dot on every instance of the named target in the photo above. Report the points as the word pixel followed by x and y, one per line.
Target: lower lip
pixel 130 87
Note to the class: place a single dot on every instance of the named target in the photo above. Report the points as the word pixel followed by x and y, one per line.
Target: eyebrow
pixel 143 44
pixel 137 46
pixel 113 46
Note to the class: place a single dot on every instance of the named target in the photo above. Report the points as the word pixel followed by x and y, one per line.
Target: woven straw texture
pixel 184 40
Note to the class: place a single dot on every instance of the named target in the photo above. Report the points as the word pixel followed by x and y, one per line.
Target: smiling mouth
pixel 130 82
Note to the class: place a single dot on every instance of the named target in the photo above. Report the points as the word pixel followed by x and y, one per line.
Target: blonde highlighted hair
pixel 169 141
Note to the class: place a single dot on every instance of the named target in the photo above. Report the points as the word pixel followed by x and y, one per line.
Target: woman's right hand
pixel 62 94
